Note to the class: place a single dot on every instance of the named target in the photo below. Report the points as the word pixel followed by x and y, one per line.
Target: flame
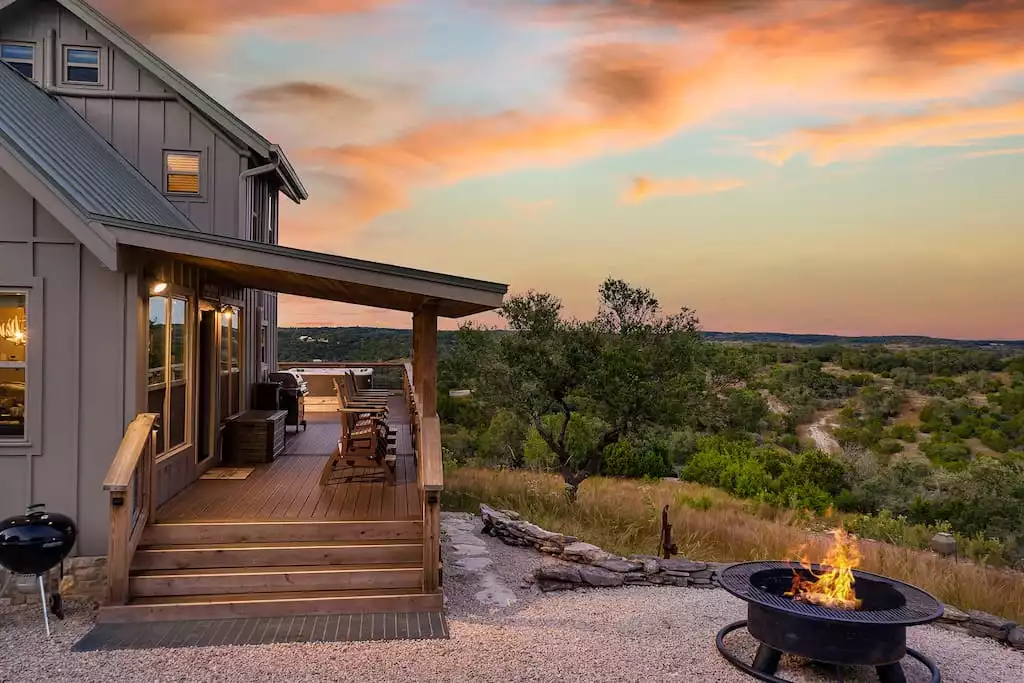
pixel 834 587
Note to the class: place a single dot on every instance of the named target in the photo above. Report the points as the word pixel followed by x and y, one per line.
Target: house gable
pixel 147 110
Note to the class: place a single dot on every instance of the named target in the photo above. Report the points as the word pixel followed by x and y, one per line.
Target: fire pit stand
pixel 874 635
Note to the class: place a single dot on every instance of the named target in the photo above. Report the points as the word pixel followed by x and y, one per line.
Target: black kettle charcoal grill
pixel 34 543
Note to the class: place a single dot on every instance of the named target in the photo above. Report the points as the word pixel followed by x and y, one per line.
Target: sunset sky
pixel 833 166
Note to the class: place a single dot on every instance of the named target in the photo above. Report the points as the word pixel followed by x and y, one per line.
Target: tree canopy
pixel 631 367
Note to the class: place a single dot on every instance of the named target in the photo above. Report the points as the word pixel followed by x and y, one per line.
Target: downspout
pixel 245 193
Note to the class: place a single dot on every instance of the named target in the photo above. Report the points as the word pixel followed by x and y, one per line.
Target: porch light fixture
pixel 227 312
pixel 158 287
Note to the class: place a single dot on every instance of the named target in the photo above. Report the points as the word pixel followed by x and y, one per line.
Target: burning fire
pixel 834 587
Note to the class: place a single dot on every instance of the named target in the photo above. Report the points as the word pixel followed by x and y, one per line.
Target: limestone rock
pixel 989 625
pixel 586 552
pixel 619 565
pixel 650 563
pixel 565 573
pixel 511 514
pixel 953 615
pixel 681 565
pixel 595 576
pixel 1016 637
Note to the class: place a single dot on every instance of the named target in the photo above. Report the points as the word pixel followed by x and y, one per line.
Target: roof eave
pixel 316 274
pixel 291 184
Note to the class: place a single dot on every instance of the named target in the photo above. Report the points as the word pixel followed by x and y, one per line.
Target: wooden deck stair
pixel 214 570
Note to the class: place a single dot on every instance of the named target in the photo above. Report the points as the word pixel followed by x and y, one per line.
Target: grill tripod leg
pixel 42 594
pixel 891 673
pixel 767 660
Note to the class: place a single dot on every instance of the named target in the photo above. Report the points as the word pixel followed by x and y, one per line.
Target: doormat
pixel 322 628
pixel 227 473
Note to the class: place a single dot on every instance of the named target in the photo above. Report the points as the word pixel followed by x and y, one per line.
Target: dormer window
pixel 82 65
pixel 21 57
pixel 182 173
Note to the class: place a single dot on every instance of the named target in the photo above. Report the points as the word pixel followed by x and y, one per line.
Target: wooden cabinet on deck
pixel 255 436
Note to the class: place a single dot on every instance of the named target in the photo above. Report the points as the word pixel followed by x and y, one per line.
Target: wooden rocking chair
pixel 366 441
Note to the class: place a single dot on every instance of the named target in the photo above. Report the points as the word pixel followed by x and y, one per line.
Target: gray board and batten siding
pixel 87 378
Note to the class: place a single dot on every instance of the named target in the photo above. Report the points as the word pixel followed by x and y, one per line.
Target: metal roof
pixel 56 143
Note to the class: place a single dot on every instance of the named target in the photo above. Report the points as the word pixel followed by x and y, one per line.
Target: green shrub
pixel 903 432
pixel 946 450
pixel 889 446
pixel 995 440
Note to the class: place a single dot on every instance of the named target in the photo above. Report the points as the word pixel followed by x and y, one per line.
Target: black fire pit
pixel 873 635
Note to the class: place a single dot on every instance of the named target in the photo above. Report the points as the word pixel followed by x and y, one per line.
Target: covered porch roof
pixel 317 275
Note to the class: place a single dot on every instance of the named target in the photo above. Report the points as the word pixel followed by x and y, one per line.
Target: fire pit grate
pixel 872 635
pixel 919 607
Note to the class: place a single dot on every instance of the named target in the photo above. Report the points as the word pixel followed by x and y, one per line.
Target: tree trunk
pixel 572 484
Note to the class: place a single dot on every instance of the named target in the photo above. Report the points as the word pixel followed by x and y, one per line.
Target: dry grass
pixel 624 516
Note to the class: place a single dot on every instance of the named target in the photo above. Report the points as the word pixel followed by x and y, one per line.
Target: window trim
pixel 32 443
pixel 32 61
pixel 164 433
pixel 101 81
pixel 238 313
pixel 196 197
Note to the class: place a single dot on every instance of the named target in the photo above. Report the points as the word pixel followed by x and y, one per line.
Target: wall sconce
pixel 227 311
pixel 158 287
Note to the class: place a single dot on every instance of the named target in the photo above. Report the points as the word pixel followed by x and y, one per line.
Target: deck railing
pixel 426 431
pixel 129 483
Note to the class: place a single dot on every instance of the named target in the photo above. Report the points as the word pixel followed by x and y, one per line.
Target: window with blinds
pixel 183 171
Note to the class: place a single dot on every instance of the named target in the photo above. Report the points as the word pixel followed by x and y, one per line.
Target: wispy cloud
pixel 1006 151
pixel 201 17
pixel 938 126
pixel 643 188
pixel 295 94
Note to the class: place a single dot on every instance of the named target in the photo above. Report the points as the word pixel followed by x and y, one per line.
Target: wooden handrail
pixel 130 483
pixel 432 472
pixel 430 478
pixel 287 365
pixel 119 475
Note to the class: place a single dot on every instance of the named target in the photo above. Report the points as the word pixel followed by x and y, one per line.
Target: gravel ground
pixel 626 634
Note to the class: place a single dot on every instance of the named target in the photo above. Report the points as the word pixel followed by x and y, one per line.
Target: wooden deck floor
pixel 289 488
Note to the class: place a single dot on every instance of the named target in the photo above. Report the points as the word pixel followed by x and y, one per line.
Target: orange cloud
pixel 625 96
pixel 938 126
pixel 159 17
pixel 643 188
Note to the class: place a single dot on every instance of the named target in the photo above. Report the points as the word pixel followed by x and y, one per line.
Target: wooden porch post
pixel 424 355
pixel 424 358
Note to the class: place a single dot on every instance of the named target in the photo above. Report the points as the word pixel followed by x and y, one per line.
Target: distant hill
pixel 307 344
pixel 899 340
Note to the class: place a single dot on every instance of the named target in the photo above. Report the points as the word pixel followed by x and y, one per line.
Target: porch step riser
pixel 208 558
pixel 229 584
pixel 313 604
pixel 275 532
